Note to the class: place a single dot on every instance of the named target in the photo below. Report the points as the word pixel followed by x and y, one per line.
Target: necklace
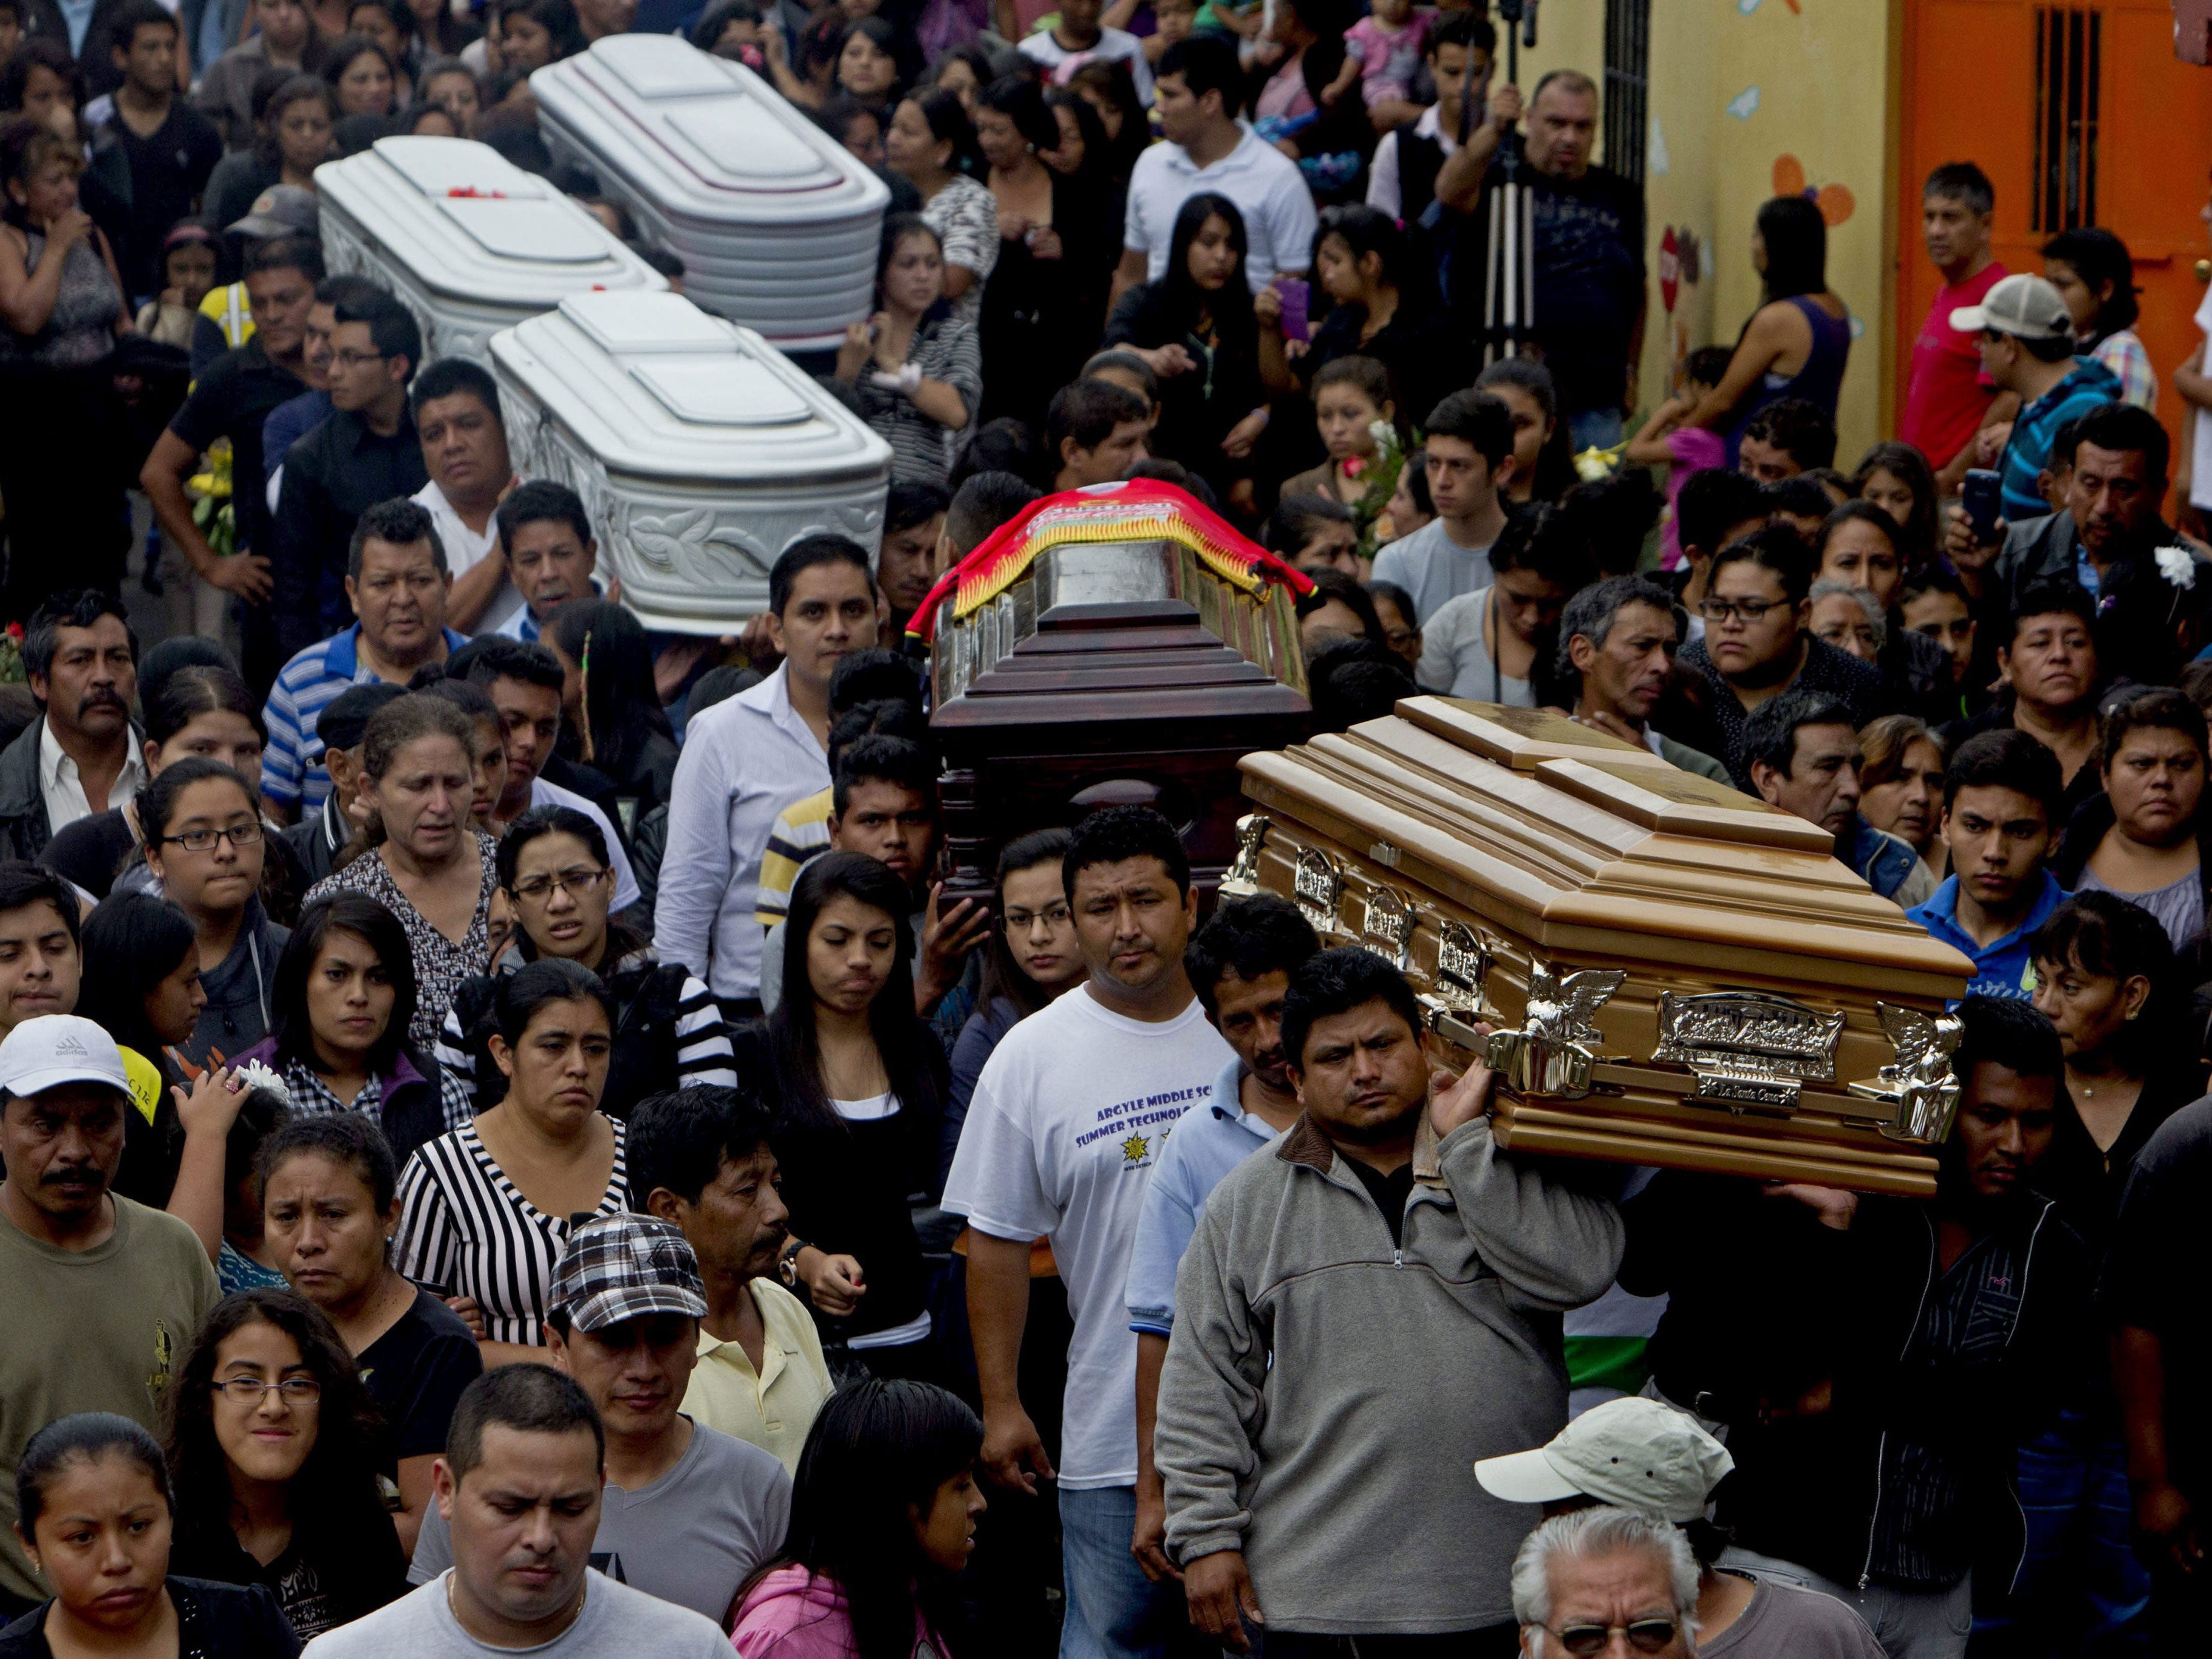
pixel 567 1617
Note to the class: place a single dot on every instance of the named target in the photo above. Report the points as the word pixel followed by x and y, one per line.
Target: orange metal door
pixel 2080 114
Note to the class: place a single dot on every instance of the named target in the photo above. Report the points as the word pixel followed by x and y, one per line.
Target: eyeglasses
pixel 1645 1636
pixel 250 1391
pixel 576 883
pixel 1719 610
pixel 351 359
pixel 1053 916
pixel 203 841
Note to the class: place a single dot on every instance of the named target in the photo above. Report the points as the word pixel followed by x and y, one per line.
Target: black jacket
pixel 1720 734
pixel 2147 626
pixel 25 828
pixel 1768 1308
pixel 1198 408
pixel 648 846
pixel 311 843
pixel 214 1621
pixel 43 19
pixel 332 476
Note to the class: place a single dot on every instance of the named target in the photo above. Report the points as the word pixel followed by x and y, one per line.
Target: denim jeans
pixel 1113 1612
pixel 2081 1589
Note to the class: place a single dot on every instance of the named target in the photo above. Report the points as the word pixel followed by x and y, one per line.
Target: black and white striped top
pixel 467 1230
pixel 669 1034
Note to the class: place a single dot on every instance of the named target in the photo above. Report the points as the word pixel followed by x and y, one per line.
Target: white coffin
pixel 469 242
pixel 701 451
pixel 777 226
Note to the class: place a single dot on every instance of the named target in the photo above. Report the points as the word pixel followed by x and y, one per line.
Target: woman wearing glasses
pixel 668 1030
pixel 1032 959
pixel 272 1452
pixel 1757 646
pixel 203 844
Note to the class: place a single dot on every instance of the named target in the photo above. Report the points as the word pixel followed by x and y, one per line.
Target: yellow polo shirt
pixel 772 1407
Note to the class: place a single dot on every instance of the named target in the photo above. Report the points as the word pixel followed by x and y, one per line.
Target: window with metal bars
pixel 1627 85
pixel 2068 62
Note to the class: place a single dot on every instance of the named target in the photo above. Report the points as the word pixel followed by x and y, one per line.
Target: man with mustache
pixel 1240 965
pixel 699 1158
pixel 2112 464
pixel 688 1511
pixel 82 660
pixel 98 1295
pixel 1067 1125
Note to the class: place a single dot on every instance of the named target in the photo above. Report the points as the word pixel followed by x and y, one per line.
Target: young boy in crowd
pixel 1999 800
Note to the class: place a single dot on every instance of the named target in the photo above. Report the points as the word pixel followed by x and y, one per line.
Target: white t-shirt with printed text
pixel 1065 1125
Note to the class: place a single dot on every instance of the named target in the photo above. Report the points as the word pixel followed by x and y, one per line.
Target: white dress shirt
pixel 62 786
pixel 466 550
pixel 1265 185
pixel 744 761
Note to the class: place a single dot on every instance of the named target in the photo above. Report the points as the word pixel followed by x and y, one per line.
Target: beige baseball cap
pixel 1643 1455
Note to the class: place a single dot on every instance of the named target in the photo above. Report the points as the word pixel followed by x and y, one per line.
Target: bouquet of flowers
pixel 1380 472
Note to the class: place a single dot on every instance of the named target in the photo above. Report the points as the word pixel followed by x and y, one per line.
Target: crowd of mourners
pixel 426 994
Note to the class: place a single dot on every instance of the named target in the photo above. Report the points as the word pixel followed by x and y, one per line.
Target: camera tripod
pixel 1509 293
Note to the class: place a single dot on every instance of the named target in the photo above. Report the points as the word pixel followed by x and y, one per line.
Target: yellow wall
pixel 1821 69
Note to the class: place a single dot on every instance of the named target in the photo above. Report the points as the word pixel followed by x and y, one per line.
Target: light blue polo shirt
pixel 1208 1141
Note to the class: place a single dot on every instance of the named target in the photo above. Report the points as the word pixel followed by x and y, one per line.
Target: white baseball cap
pixel 54 1049
pixel 2027 307
pixel 1640 1454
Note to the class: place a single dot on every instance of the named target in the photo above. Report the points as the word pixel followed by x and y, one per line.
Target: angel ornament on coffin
pixel 1553 1052
pixel 1920 1084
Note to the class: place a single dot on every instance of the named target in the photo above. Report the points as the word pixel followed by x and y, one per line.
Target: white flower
pixel 2177 565
pixel 1382 433
pixel 254 1075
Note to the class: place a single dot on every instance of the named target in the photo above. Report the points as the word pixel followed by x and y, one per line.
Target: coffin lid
pixel 702 137
pixel 655 387
pixel 463 221
pixel 1574 840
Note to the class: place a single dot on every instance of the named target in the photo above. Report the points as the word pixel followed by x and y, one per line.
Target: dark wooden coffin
pixel 1109 647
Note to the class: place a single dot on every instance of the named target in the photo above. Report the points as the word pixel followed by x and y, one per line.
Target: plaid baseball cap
pixel 627 1266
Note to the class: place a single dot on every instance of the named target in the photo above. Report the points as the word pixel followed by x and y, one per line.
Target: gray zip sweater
pixel 1327 1393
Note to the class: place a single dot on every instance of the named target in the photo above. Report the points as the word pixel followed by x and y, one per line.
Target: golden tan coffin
pixel 1664 970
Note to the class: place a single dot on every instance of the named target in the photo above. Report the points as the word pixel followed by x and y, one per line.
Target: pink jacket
pixel 791 1615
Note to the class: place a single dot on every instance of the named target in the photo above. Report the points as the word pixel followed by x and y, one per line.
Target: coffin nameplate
pixel 1748 1047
